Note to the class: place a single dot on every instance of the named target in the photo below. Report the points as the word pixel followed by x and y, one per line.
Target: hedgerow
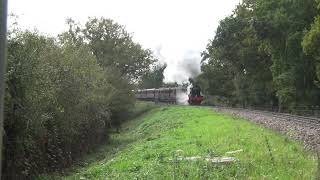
pixel 60 103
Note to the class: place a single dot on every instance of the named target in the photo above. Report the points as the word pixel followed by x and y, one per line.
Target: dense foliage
pixel 63 95
pixel 263 55
pixel 112 45
pixel 153 78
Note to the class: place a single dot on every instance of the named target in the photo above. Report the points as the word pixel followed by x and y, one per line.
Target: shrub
pixel 58 104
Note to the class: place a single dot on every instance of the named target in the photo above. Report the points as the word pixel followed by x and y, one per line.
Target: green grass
pixel 148 144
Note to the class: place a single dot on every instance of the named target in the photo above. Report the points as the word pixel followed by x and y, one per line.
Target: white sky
pixel 176 30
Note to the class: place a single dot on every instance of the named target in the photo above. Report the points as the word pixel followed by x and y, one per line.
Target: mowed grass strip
pixel 152 142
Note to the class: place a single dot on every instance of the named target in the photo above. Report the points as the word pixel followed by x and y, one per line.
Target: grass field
pixel 148 146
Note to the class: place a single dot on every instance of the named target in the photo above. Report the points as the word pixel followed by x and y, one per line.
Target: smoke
pixel 189 67
pixel 180 67
pixel 182 95
pixel 181 70
pixel 157 52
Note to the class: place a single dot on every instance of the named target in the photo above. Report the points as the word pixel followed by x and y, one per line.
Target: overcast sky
pixel 176 30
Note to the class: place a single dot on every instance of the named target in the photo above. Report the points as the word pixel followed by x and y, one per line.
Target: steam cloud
pixel 181 70
pixel 189 67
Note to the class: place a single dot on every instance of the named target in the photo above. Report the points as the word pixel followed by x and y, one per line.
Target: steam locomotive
pixel 195 97
pixel 171 95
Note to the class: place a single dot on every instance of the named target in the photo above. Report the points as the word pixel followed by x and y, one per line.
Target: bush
pixel 58 105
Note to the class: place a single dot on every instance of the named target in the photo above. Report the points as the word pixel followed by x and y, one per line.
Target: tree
pixel 281 27
pixel 57 105
pixel 233 65
pixel 311 43
pixel 153 78
pixel 112 45
pixel 123 60
pixel 257 53
pixel 63 95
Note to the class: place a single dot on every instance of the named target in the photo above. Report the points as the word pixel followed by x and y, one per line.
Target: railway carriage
pixel 168 95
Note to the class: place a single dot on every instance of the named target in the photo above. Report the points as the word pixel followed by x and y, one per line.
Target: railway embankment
pixel 183 142
pixel 303 129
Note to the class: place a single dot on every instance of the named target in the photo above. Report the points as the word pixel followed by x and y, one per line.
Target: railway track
pixel 311 122
pixel 301 128
pixel 305 129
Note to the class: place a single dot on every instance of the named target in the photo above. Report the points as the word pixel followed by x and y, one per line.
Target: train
pixel 173 95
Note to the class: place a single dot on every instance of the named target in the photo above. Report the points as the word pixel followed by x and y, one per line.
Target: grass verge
pixel 148 146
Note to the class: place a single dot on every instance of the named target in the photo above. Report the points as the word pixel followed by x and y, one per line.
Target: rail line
pixel 309 121
pixel 303 120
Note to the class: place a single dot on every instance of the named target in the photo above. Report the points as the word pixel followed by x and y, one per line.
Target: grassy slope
pixel 147 144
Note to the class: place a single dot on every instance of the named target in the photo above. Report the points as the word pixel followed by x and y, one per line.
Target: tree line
pixel 64 94
pixel 266 53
